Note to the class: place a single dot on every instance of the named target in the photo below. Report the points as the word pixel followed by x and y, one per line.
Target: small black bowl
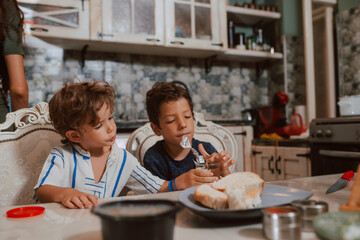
pixel 137 219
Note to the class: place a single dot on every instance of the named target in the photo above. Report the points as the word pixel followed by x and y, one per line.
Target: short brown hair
pixel 163 92
pixel 76 103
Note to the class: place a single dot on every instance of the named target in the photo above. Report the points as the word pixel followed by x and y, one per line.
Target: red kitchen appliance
pixel 273 117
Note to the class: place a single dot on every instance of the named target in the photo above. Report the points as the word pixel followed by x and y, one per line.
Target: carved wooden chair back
pixel 23 152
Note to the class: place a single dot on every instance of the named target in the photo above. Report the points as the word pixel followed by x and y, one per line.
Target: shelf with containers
pixel 239 23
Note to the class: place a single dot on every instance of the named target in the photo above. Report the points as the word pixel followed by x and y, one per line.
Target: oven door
pixel 330 158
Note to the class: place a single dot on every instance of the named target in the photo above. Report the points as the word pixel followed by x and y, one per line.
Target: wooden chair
pixel 221 138
pixel 23 152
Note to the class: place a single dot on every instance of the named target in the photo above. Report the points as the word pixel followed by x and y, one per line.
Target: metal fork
pixel 185 143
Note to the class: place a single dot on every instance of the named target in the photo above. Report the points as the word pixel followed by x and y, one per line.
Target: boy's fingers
pixel 206 179
pixel 225 155
pixel 76 201
pixel 85 201
pixel 93 199
pixel 203 172
pixel 203 152
pixel 69 204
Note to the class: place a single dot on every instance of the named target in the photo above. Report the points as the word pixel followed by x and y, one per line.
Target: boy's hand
pixel 68 197
pixel 223 158
pixel 194 177
pixel 73 198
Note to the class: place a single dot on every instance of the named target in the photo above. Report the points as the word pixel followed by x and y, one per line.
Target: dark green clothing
pixel 3 110
pixel 10 45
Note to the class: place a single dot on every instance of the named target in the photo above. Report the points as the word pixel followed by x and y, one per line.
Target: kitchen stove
pixel 335 145
pixel 335 130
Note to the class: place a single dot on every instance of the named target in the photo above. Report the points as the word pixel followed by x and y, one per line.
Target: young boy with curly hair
pixel 90 165
pixel 170 111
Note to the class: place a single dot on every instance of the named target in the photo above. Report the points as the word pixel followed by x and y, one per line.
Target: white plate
pixel 273 195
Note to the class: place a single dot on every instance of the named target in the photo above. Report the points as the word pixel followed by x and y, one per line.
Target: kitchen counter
pixel 62 223
pixel 284 143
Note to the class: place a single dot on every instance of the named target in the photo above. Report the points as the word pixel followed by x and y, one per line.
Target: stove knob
pixel 328 133
pixel 319 133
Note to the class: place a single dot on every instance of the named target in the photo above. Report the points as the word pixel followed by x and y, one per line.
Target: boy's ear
pixel 156 129
pixel 73 135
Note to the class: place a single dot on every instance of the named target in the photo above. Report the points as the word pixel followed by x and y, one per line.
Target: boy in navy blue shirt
pixel 170 111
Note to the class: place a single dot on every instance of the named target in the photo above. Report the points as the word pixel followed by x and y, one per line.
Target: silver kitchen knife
pixel 341 183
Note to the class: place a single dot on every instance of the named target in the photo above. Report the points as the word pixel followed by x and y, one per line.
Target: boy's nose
pixel 182 123
pixel 110 127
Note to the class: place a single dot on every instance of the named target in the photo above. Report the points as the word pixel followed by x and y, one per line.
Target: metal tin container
pixel 282 223
pixel 309 209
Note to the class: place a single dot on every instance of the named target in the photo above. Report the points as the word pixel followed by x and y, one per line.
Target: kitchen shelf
pixel 249 55
pixel 251 17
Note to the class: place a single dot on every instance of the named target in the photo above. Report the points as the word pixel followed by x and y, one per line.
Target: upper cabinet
pixel 65 19
pixel 193 24
pixel 188 28
pixel 237 17
pixel 129 21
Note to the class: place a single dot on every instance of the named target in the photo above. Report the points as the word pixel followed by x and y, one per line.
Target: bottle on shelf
pixel 259 40
pixel 241 42
pixel 231 34
pixel 248 43
pixel 253 43
pixel 266 45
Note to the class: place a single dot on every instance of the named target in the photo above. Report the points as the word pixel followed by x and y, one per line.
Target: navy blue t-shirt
pixel 159 162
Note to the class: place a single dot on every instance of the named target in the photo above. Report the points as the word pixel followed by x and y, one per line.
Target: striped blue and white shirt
pixel 70 166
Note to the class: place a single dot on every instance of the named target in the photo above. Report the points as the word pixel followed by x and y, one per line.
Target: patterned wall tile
pixel 348 34
pixel 224 92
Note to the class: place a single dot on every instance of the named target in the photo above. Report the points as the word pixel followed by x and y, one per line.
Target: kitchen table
pixel 59 222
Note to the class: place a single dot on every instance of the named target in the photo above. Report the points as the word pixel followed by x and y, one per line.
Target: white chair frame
pixel 24 152
pixel 221 138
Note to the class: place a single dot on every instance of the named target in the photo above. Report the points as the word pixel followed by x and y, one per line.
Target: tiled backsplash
pixel 224 92
pixel 348 32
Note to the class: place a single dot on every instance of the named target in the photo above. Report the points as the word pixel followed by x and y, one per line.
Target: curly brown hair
pixel 164 92
pixel 78 103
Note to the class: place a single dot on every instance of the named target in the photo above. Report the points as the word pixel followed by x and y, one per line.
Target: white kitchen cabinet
pixel 128 21
pixel 279 163
pixel 63 19
pixel 192 24
pixel 243 136
pixel 248 18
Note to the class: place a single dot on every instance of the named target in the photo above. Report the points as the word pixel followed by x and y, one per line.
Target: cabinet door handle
pixel 256 152
pixel 218 44
pixel 39 29
pixel 269 164
pixel 153 40
pixel 305 155
pixel 177 42
pixel 276 165
pixel 240 133
pixel 105 35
